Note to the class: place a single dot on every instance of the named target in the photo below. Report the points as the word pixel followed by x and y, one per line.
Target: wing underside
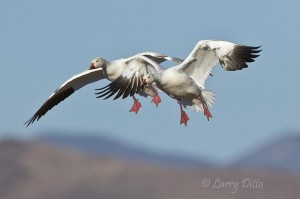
pixel 65 90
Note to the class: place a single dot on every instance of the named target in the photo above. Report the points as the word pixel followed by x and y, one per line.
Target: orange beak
pixel 92 66
pixel 143 82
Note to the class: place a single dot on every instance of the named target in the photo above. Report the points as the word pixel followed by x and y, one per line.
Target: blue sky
pixel 43 43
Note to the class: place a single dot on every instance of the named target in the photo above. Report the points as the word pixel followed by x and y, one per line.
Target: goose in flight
pixel 101 69
pixel 186 82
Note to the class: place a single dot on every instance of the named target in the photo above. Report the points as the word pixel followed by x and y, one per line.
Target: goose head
pixel 148 79
pixel 98 62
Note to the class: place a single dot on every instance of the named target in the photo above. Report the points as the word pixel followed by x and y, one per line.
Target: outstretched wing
pixel 66 89
pixel 155 57
pixel 130 82
pixel 207 53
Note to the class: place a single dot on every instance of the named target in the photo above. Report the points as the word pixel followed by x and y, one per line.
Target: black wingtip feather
pixel 239 57
pixel 49 104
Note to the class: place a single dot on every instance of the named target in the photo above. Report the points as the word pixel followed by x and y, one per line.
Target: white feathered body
pixel 115 69
pixel 181 87
pixel 174 84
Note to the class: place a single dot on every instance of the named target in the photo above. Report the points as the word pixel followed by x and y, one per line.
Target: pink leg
pixel 156 99
pixel 136 105
pixel 184 117
pixel 205 107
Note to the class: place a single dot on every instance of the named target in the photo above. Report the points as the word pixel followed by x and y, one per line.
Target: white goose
pixel 186 81
pixel 101 69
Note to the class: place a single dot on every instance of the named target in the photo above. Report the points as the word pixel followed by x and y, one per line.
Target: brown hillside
pixel 39 171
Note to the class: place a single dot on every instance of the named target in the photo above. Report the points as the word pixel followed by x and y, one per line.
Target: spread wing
pixel 207 53
pixel 65 90
pixel 155 57
pixel 130 82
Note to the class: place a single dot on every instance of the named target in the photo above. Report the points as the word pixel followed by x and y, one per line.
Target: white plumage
pixel 100 69
pixel 186 82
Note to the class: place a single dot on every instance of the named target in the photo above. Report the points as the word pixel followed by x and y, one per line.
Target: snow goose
pixel 129 82
pixel 147 60
pixel 186 82
pixel 99 69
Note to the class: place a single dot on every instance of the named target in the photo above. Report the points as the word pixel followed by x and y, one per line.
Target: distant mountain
pixel 104 146
pixel 35 170
pixel 282 154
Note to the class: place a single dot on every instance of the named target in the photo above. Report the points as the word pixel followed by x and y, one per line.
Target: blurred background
pixel 90 148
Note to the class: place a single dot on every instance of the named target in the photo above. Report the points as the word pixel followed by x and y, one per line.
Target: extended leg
pixel 183 116
pixel 136 105
pixel 205 107
pixel 155 98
